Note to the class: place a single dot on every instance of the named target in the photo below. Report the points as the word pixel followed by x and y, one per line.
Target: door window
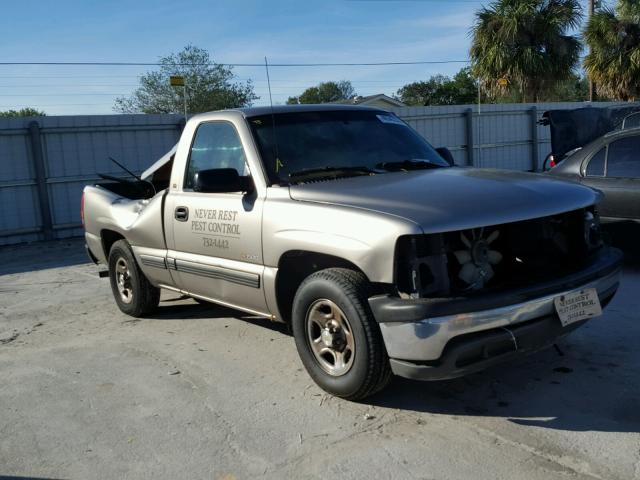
pixel 216 145
pixel 595 168
pixel 624 158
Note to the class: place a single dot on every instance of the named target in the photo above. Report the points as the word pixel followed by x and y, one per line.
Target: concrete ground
pixel 205 392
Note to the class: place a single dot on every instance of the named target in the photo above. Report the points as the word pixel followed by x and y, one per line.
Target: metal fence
pixel 46 161
pixel 490 136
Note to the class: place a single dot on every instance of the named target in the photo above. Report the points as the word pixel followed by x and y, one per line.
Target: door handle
pixel 182 214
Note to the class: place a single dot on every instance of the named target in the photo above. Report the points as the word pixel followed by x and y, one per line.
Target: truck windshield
pixel 353 141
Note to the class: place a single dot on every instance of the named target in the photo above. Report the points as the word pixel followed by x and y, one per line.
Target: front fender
pixel 364 238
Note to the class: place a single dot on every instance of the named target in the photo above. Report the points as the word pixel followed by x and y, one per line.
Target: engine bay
pixel 496 257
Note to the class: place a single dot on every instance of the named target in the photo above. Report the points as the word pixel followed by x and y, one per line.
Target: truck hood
pixel 449 199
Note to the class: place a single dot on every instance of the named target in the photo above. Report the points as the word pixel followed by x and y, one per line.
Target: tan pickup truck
pixel 343 222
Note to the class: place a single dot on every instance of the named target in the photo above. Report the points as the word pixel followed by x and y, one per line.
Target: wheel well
pixel 109 237
pixel 294 267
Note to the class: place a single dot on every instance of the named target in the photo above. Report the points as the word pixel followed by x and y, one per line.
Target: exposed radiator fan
pixel 478 259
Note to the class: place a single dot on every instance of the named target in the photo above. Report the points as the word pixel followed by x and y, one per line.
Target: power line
pixel 144 64
pixel 258 88
pixel 148 64
pixel 70 85
pixel 132 75
pixel 57 105
pixel 59 94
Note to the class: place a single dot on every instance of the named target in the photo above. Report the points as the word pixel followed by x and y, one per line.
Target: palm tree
pixel 614 61
pixel 526 43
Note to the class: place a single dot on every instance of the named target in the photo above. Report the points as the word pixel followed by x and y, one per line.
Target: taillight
pixel 552 162
pixel 82 209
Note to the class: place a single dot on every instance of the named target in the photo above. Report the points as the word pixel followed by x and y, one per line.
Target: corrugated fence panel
pixel 66 200
pixel 501 134
pixel 15 149
pixel 76 148
pixel 19 209
pixel 442 126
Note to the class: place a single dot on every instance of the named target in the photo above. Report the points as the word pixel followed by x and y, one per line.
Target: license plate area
pixel 578 305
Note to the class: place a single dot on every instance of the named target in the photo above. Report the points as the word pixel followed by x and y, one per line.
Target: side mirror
pixel 446 154
pixel 221 180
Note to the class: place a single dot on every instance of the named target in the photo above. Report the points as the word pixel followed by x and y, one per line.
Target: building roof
pixel 358 100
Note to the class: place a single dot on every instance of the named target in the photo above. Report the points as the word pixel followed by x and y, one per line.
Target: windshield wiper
pixel 412 164
pixel 333 172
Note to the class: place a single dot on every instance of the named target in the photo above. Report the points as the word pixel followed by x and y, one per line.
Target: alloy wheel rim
pixel 123 281
pixel 330 337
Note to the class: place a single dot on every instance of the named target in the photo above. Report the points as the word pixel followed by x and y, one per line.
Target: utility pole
pixel 592 87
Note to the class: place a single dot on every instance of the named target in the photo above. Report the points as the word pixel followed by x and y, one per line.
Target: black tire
pixel 349 290
pixel 144 297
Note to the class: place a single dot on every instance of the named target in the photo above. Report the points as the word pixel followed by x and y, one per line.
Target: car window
pixel 624 158
pixel 595 168
pixel 215 145
pixel 297 141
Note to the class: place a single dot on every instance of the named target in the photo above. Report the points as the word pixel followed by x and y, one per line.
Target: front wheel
pixel 337 337
pixel 133 293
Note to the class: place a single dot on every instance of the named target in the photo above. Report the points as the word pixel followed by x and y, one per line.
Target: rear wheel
pixel 337 338
pixel 133 293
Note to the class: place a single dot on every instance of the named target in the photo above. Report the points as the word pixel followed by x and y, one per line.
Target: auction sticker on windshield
pixel 580 305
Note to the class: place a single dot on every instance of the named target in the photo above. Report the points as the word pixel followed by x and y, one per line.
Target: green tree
pixel 209 86
pixel 23 112
pixel 573 89
pixel 325 92
pixel 614 61
pixel 441 90
pixel 526 42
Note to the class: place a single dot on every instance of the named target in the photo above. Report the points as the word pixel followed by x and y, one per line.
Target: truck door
pixel 214 239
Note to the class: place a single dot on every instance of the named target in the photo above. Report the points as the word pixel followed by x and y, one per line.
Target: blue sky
pixel 233 32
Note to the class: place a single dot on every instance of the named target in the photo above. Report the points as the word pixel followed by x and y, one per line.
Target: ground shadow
pixel 11 477
pixel 572 389
pixel 42 255
pixel 625 235
pixel 184 308
pixel 543 390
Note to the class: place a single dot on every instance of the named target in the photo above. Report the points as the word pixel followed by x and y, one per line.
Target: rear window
pixel 624 158
pixel 595 168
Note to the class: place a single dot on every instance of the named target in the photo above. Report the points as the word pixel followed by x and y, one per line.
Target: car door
pixel 623 177
pixel 216 244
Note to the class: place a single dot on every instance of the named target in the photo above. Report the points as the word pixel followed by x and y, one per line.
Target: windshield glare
pixel 336 139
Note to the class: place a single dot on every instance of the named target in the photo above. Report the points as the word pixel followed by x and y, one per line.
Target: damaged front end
pixel 468 299
pixel 496 257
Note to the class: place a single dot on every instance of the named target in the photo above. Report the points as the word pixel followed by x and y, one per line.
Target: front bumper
pixel 463 340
